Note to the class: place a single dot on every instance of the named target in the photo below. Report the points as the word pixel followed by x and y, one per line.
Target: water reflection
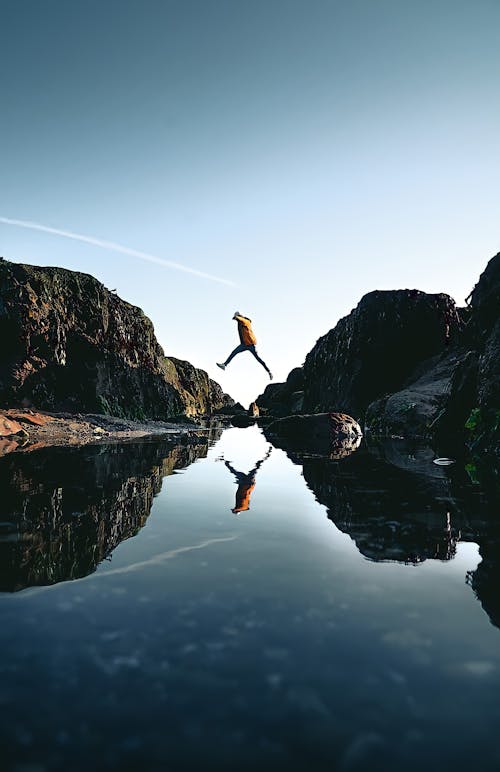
pixel 245 482
pixel 268 640
pixel 64 510
pixel 396 505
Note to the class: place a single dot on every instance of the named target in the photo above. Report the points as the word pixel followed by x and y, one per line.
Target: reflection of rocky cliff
pixel 64 510
pixel 410 510
pixel 485 580
pixel 390 514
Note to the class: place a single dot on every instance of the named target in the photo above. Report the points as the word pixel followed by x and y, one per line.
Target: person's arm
pixel 259 463
pixel 232 469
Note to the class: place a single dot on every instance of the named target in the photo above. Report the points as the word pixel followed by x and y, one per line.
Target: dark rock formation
pixel 369 353
pixel 410 365
pixel 242 420
pixel 374 349
pixel 230 410
pixel 64 510
pixel 326 433
pixel 199 393
pixel 458 389
pixel 436 403
pixel 282 399
pixel 67 343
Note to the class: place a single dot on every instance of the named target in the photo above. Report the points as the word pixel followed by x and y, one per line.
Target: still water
pixel 227 606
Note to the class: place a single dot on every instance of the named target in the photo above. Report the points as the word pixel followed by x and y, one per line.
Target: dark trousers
pixel 243 347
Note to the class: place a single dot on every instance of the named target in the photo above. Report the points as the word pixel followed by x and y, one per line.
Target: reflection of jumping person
pixel 246 484
pixel 247 342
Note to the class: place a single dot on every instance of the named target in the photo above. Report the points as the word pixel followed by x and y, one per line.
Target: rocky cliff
pixel 68 343
pixel 375 348
pixel 458 392
pixel 407 363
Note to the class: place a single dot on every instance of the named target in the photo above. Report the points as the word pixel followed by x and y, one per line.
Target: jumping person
pixel 247 342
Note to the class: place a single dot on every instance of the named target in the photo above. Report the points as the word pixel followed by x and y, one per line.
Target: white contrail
pixel 154 560
pixel 35 226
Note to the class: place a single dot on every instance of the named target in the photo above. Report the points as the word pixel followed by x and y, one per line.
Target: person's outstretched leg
pixel 233 353
pixel 257 357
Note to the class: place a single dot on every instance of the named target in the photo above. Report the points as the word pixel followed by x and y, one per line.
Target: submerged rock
pixel 70 344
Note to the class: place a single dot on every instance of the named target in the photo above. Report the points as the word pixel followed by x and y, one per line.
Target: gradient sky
pixel 307 150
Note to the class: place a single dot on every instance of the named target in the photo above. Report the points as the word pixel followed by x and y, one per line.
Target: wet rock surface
pixel 69 344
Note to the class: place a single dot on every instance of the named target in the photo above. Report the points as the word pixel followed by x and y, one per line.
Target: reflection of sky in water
pixel 258 639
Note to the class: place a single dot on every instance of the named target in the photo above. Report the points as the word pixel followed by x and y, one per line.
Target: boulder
pixel 321 433
pixel 242 421
pixel 70 344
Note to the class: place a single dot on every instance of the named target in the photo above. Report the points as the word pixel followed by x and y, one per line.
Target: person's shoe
pixel 222 367
pixel 270 376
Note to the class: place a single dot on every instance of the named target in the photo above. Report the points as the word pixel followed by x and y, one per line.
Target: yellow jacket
pixel 243 496
pixel 247 335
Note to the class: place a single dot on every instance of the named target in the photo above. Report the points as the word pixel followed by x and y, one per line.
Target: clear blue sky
pixel 307 150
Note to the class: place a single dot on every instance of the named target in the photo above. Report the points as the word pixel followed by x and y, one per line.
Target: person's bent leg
pixel 237 350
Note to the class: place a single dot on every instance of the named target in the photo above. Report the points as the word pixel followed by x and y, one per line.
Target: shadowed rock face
pixel 409 364
pixel 374 349
pixel 282 399
pixel 70 344
pixel 443 393
pixel 65 510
